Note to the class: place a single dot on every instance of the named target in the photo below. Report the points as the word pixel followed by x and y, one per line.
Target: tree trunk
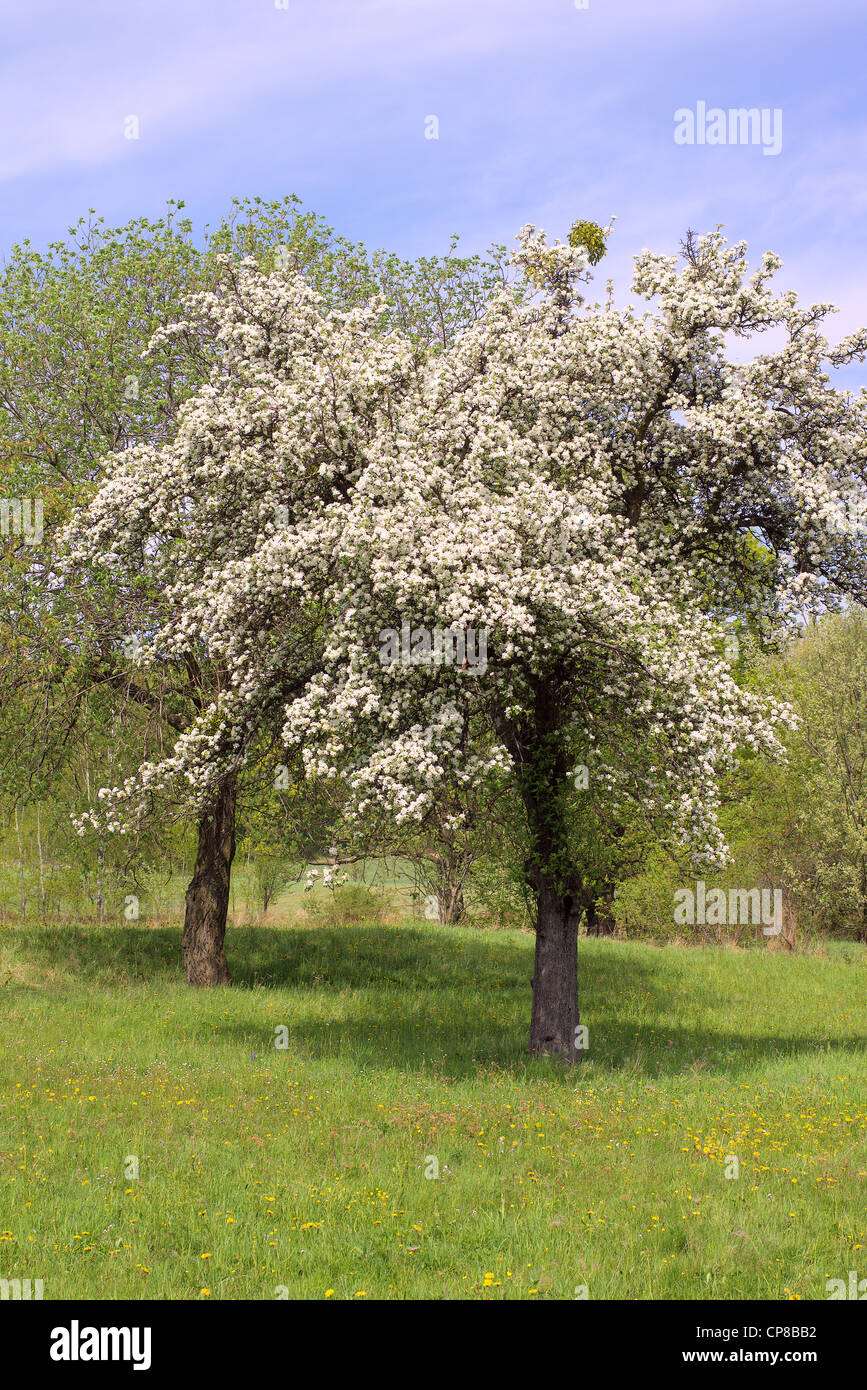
pixel 22 894
pixel 207 898
pixel 41 865
pixel 554 1021
pixel 606 922
pixel 600 913
pixel 541 757
pixel 451 899
pixel 99 899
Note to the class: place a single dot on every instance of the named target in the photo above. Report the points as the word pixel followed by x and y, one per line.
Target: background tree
pixel 814 812
pixel 77 383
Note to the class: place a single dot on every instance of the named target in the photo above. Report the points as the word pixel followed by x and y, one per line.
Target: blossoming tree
pixel 585 491
pixel 76 383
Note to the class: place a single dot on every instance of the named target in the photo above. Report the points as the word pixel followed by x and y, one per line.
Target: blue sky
pixel 546 112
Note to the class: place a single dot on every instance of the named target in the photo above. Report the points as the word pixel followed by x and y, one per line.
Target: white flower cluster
pixel 330 878
pixel 593 488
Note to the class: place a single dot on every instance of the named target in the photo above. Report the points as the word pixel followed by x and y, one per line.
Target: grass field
pixel 309 1169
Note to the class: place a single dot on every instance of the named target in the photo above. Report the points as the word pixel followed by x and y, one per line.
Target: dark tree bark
pixel 606 921
pixel 600 913
pixel 207 898
pixel 554 1019
pixel 452 906
pixel 539 754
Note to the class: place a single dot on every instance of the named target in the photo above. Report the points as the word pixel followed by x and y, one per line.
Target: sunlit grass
pixel 306 1168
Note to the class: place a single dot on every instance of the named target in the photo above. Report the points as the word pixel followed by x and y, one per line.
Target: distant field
pixel 161 896
pixel 304 1169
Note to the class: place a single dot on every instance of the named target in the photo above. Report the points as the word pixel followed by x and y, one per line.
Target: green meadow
pixel 401 1144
